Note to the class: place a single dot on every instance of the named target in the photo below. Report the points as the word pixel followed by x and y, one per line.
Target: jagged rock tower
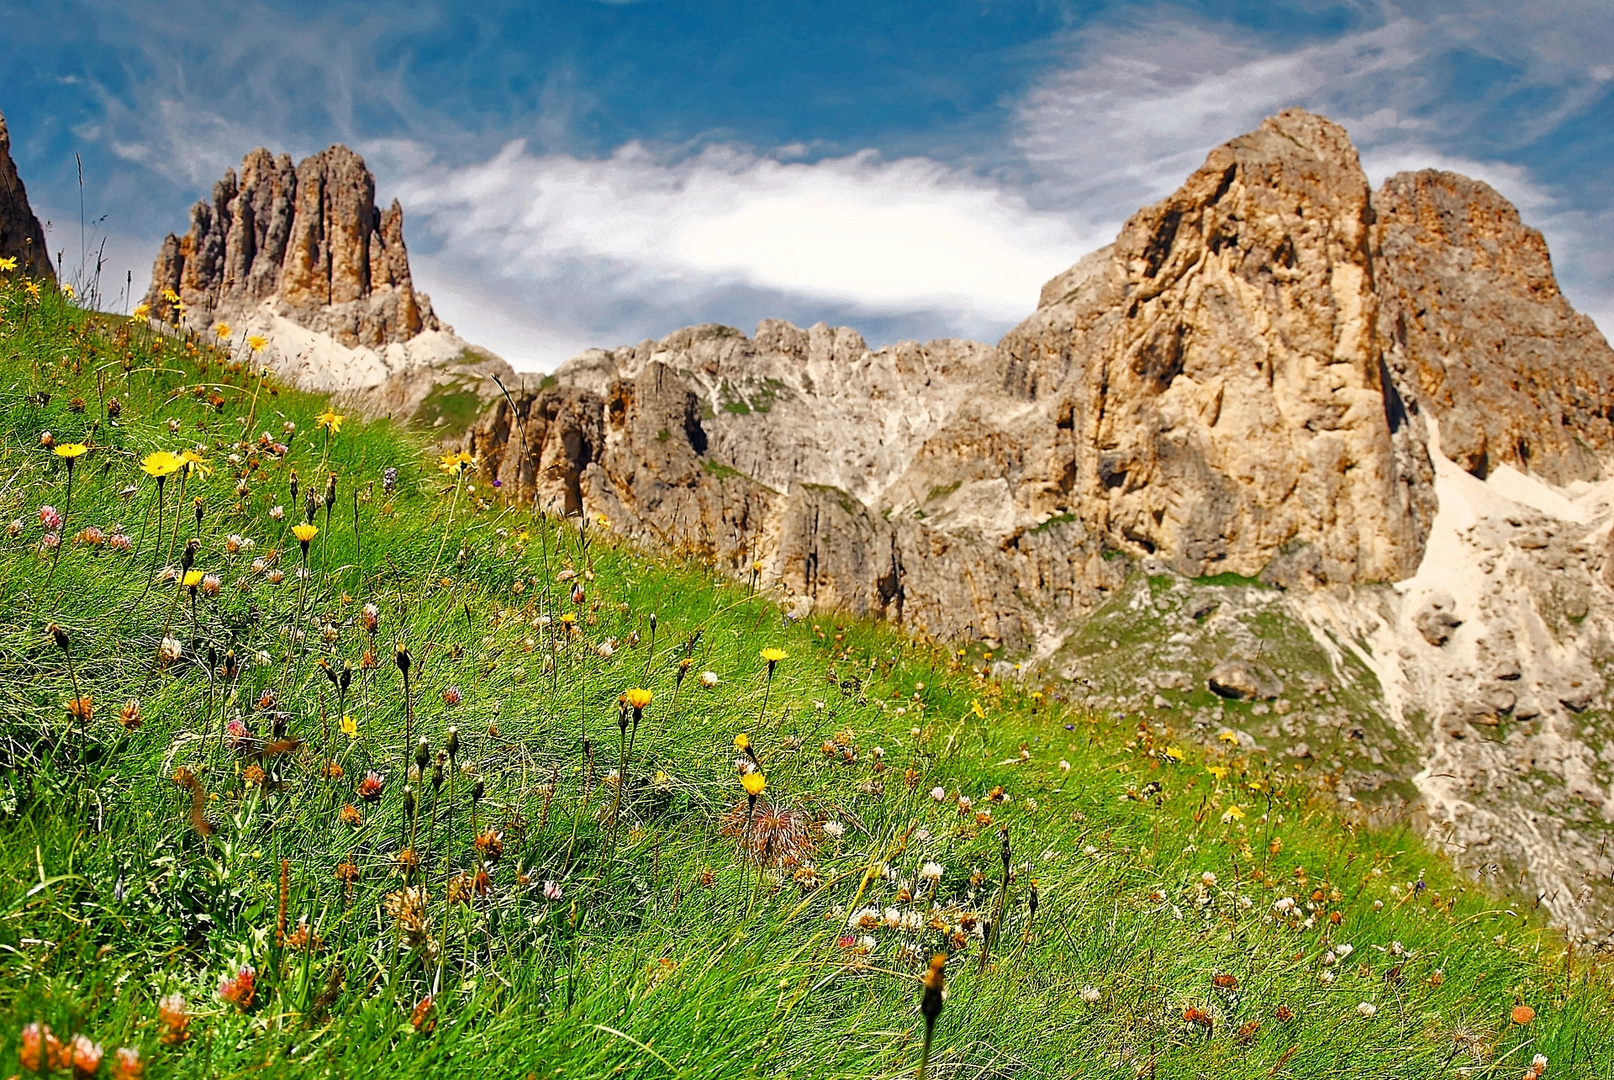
pixel 309 241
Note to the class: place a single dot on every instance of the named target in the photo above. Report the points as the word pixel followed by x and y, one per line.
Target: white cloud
pixel 858 233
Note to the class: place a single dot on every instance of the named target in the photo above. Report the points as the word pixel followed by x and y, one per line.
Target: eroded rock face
pixel 308 241
pixel 1515 374
pixel 21 236
pixel 1221 374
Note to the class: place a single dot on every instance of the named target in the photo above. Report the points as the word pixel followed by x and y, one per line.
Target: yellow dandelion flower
pixel 1228 737
pixel 161 463
pixel 8 263
pixel 742 741
pixel 754 783
pixel 192 579
pixel 70 450
pixel 256 342
pixel 304 533
pixel 350 727
pixel 141 311
pixel 197 463
pixel 330 420
pixel 637 697
pixel 1174 753
pixel 980 713
pixel 170 295
pixel 1218 772
pixel 222 331
pixel 33 289
pixel 773 654
pixel 1234 813
pixel 67 290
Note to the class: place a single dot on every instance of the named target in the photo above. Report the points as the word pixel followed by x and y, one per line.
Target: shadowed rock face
pixel 309 240
pixel 21 236
pixel 1241 383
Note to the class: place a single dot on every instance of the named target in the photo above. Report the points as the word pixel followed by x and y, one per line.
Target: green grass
pixel 672 952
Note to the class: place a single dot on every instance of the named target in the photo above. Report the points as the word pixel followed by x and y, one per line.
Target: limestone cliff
pixel 1241 383
pixel 21 236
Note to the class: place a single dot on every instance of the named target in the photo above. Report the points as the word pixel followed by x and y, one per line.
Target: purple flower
pixel 235 733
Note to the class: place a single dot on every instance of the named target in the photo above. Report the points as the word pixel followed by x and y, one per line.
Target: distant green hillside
pixel 454 788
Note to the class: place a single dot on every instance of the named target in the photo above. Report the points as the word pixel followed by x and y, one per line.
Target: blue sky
pixel 582 173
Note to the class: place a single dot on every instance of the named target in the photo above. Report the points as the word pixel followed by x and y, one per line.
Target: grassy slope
pixel 670 954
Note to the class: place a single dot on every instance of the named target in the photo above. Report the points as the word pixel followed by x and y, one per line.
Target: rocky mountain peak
pixel 21 236
pixel 1515 375
pixel 307 241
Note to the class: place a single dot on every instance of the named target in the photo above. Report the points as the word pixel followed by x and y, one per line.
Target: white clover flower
pixel 938 793
pixel 708 679
pixel 931 871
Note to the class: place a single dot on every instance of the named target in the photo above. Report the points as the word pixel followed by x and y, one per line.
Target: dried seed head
pixel 403 659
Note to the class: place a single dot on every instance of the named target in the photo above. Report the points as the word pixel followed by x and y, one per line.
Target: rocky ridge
pixel 1361 409
pixel 21 236
pixel 303 256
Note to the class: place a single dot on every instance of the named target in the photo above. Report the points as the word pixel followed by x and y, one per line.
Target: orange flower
pixel 1523 1014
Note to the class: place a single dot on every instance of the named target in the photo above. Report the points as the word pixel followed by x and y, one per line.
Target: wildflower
pixel 834 829
pixel 238 989
pixel 552 892
pixel 50 518
pixel 1091 994
pixel 330 420
pixel 127 1064
pixel 938 793
pixel 350 727
pixel 129 716
pixel 423 1017
pixel 71 451
pixel 170 650
pixel 754 784
pixel 931 872
pixel 637 698
pixel 255 342
pixel 196 462
pixel 9 264
pixel 304 533
pixel 1523 1014
pixel 1064 766
pixel 278 513
pixel 369 788
pixel 1367 1009
pixel 1538 1064
pixel 40 1048
pixel 347 873
pixel 370 619
pixel 222 331
pixel 1207 879
pixel 773 655
pixel 708 679
pixel 350 815
pixel 452 696
pixel 605 649
pixel 161 464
